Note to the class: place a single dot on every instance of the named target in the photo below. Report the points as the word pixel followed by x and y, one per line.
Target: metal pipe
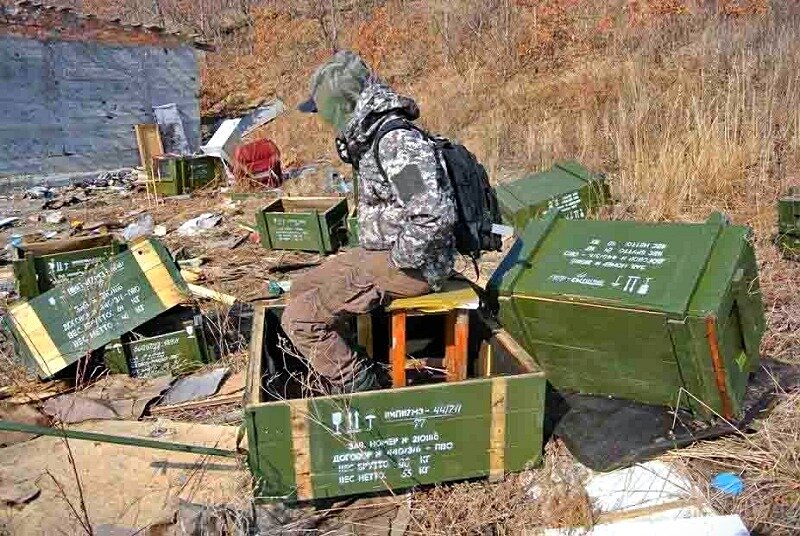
pixel 119 440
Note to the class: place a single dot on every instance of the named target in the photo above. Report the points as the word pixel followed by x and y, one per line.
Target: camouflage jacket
pixel 412 210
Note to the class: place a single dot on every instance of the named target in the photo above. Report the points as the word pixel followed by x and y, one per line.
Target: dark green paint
pixel 789 213
pixel 419 435
pixel 619 308
pixel 177 352
pixel 568 186
pixel 37 273
pixel 86 313
pixel 309 230
pixel 183 174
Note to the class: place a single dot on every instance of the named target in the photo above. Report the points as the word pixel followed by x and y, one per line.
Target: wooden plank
pixel 509 344
pixel 301 448
pixel 456 344
pixel 148 140
pixel 256 352
pixel 497 438
pixel 397 353
pixel 197 404
pixel 364 329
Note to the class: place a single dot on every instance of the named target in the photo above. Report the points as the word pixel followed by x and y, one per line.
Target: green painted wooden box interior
pixel 567 186
pixel 172 343
pixel 637 310
pixel 176 175
pixel 304 223
pixel 352 229
pixel 39 266
pixel 328 446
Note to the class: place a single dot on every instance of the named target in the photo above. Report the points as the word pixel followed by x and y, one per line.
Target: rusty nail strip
pixel 719 366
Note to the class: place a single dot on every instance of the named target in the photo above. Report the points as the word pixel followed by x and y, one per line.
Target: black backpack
pixel 476 203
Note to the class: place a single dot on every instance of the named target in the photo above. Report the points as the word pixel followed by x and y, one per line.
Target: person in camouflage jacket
pixel 406 218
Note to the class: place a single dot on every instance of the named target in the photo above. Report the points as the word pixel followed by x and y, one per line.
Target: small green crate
pixel 789 213
pixel 391 439
pixel 304 223
pixel 40 266
pixel 567 186
pixel 172 343
pixel 176 175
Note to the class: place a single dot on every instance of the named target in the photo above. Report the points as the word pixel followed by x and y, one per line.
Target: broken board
pixel 65 323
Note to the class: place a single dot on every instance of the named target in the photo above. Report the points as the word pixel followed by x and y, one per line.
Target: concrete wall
pixel 68 106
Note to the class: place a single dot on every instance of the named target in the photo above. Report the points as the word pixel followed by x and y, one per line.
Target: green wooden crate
pixel 329 446
pixel 39 266
pixel 567 186
pixel 58 327
pixel 176 175
pixel 789 246
pixel 353 239
pixel 172 343
pixel 789 213
pixel 304 223
pixel 635 310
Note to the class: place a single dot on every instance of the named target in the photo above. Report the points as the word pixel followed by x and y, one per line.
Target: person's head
pixel 335 88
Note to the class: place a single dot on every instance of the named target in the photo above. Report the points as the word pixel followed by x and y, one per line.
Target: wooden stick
pixel 204 292
pixel 198 404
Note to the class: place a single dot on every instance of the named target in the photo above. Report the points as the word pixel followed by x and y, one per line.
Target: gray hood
pixel 376 102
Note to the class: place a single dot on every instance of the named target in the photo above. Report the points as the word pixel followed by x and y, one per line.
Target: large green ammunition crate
pixel 328 446
pixel 172 343
pixel 176 175
pixel 789 213
pixel 40 266
pixel 567 186
pixel 304 223
pixel 636 310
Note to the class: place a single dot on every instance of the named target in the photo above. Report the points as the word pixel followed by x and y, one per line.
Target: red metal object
pixel 259 161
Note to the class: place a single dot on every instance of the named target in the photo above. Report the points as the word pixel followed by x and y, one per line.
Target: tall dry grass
pixel 689 107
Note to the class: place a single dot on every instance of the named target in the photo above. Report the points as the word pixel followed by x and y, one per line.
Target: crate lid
pixel 562 178
pixel 655 266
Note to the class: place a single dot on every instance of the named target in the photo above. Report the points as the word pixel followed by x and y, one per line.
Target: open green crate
pixel 172 343
pixel 304 223
pixel 567 186
pixel 177 175
pixel 39 266
pixel 328 446
pixel 663 314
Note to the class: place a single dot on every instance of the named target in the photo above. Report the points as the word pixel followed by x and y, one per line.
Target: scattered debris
pixel 39 192
pixel 54 217
pixel 203 292
pixel 18 493
pixel 8 222
pixel 115 397
pixel 24 413
pixel 194 387
pixel 728 483
pixel 160 230
pixel 143 226
pixel 195 226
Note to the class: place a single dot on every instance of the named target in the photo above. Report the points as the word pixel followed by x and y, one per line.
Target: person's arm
pixel 410 164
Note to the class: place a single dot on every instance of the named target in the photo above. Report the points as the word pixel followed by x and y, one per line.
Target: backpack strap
pixel 398 123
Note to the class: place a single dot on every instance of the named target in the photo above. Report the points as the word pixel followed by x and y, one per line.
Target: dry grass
pixel 769 463
pixel 543 498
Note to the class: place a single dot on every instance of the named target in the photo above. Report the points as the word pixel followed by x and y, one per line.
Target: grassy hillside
pixel 689 107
